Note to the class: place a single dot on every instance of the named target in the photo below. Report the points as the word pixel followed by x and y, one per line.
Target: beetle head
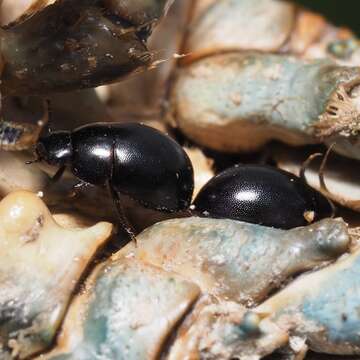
pixel 55 148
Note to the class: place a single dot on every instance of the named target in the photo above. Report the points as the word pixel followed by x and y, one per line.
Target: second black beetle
pixel 130 158
pixel 262 195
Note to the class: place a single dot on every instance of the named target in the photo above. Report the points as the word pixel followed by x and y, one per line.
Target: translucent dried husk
pixel 237 261
pixel 240 101
pixel 247 81
pixel 68 45
pixel 115 318
pixel 132 304
pixel 324 314
pixel 40 266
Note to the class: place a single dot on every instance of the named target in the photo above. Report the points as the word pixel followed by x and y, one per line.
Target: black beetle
pixel 262 195
pixel 130 158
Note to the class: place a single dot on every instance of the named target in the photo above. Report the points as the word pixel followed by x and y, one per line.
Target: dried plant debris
pixel 127 310
pixel 235 93
pixel 75 44
pixel 240 75
pixel 214 28
pixel 192 314
pixel 321 308
pixel 238 261
pixel 240 101
pixel 225 330
pixel 40 267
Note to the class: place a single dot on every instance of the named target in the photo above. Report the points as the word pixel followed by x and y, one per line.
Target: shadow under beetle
pixel 129 158
pixel 262 195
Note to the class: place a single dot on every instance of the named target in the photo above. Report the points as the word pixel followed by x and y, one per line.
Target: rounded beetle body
pixel 134 159
pixel 262 195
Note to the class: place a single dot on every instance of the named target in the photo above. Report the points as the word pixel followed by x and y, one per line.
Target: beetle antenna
pixel 323 186
pixel 306 164
pixel 124 222
pixel 323 166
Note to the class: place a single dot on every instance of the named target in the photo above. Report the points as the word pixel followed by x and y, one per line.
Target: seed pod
pixel 71 45
pixel 137 322
pixel 238 261
pixel 231 94
pixel 176 294
pixel 322 307
pixel 36 281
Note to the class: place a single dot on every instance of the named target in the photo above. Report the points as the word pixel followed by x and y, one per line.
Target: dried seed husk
pixel 127 310
pixel 69 45
pixel 214 331
pixel 40 266
pixel 237 261
pixel 266 26
pixel 223 30
pixel 240 101
pixel 225 26
pixel 321 307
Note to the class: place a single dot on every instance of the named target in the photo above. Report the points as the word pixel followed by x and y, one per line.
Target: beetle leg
pixel 123 221
pixel 53 180
pixel 57 175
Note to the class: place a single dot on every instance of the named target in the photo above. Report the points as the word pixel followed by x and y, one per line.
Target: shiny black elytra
pixel 130 158
pixel 262 195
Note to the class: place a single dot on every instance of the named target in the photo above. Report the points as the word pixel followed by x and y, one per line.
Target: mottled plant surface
pixel 237 261
pixel 253 72
pixel 296 86
pixel 114 318
pixel 70 45
pixel 325 314
pixel 41 264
